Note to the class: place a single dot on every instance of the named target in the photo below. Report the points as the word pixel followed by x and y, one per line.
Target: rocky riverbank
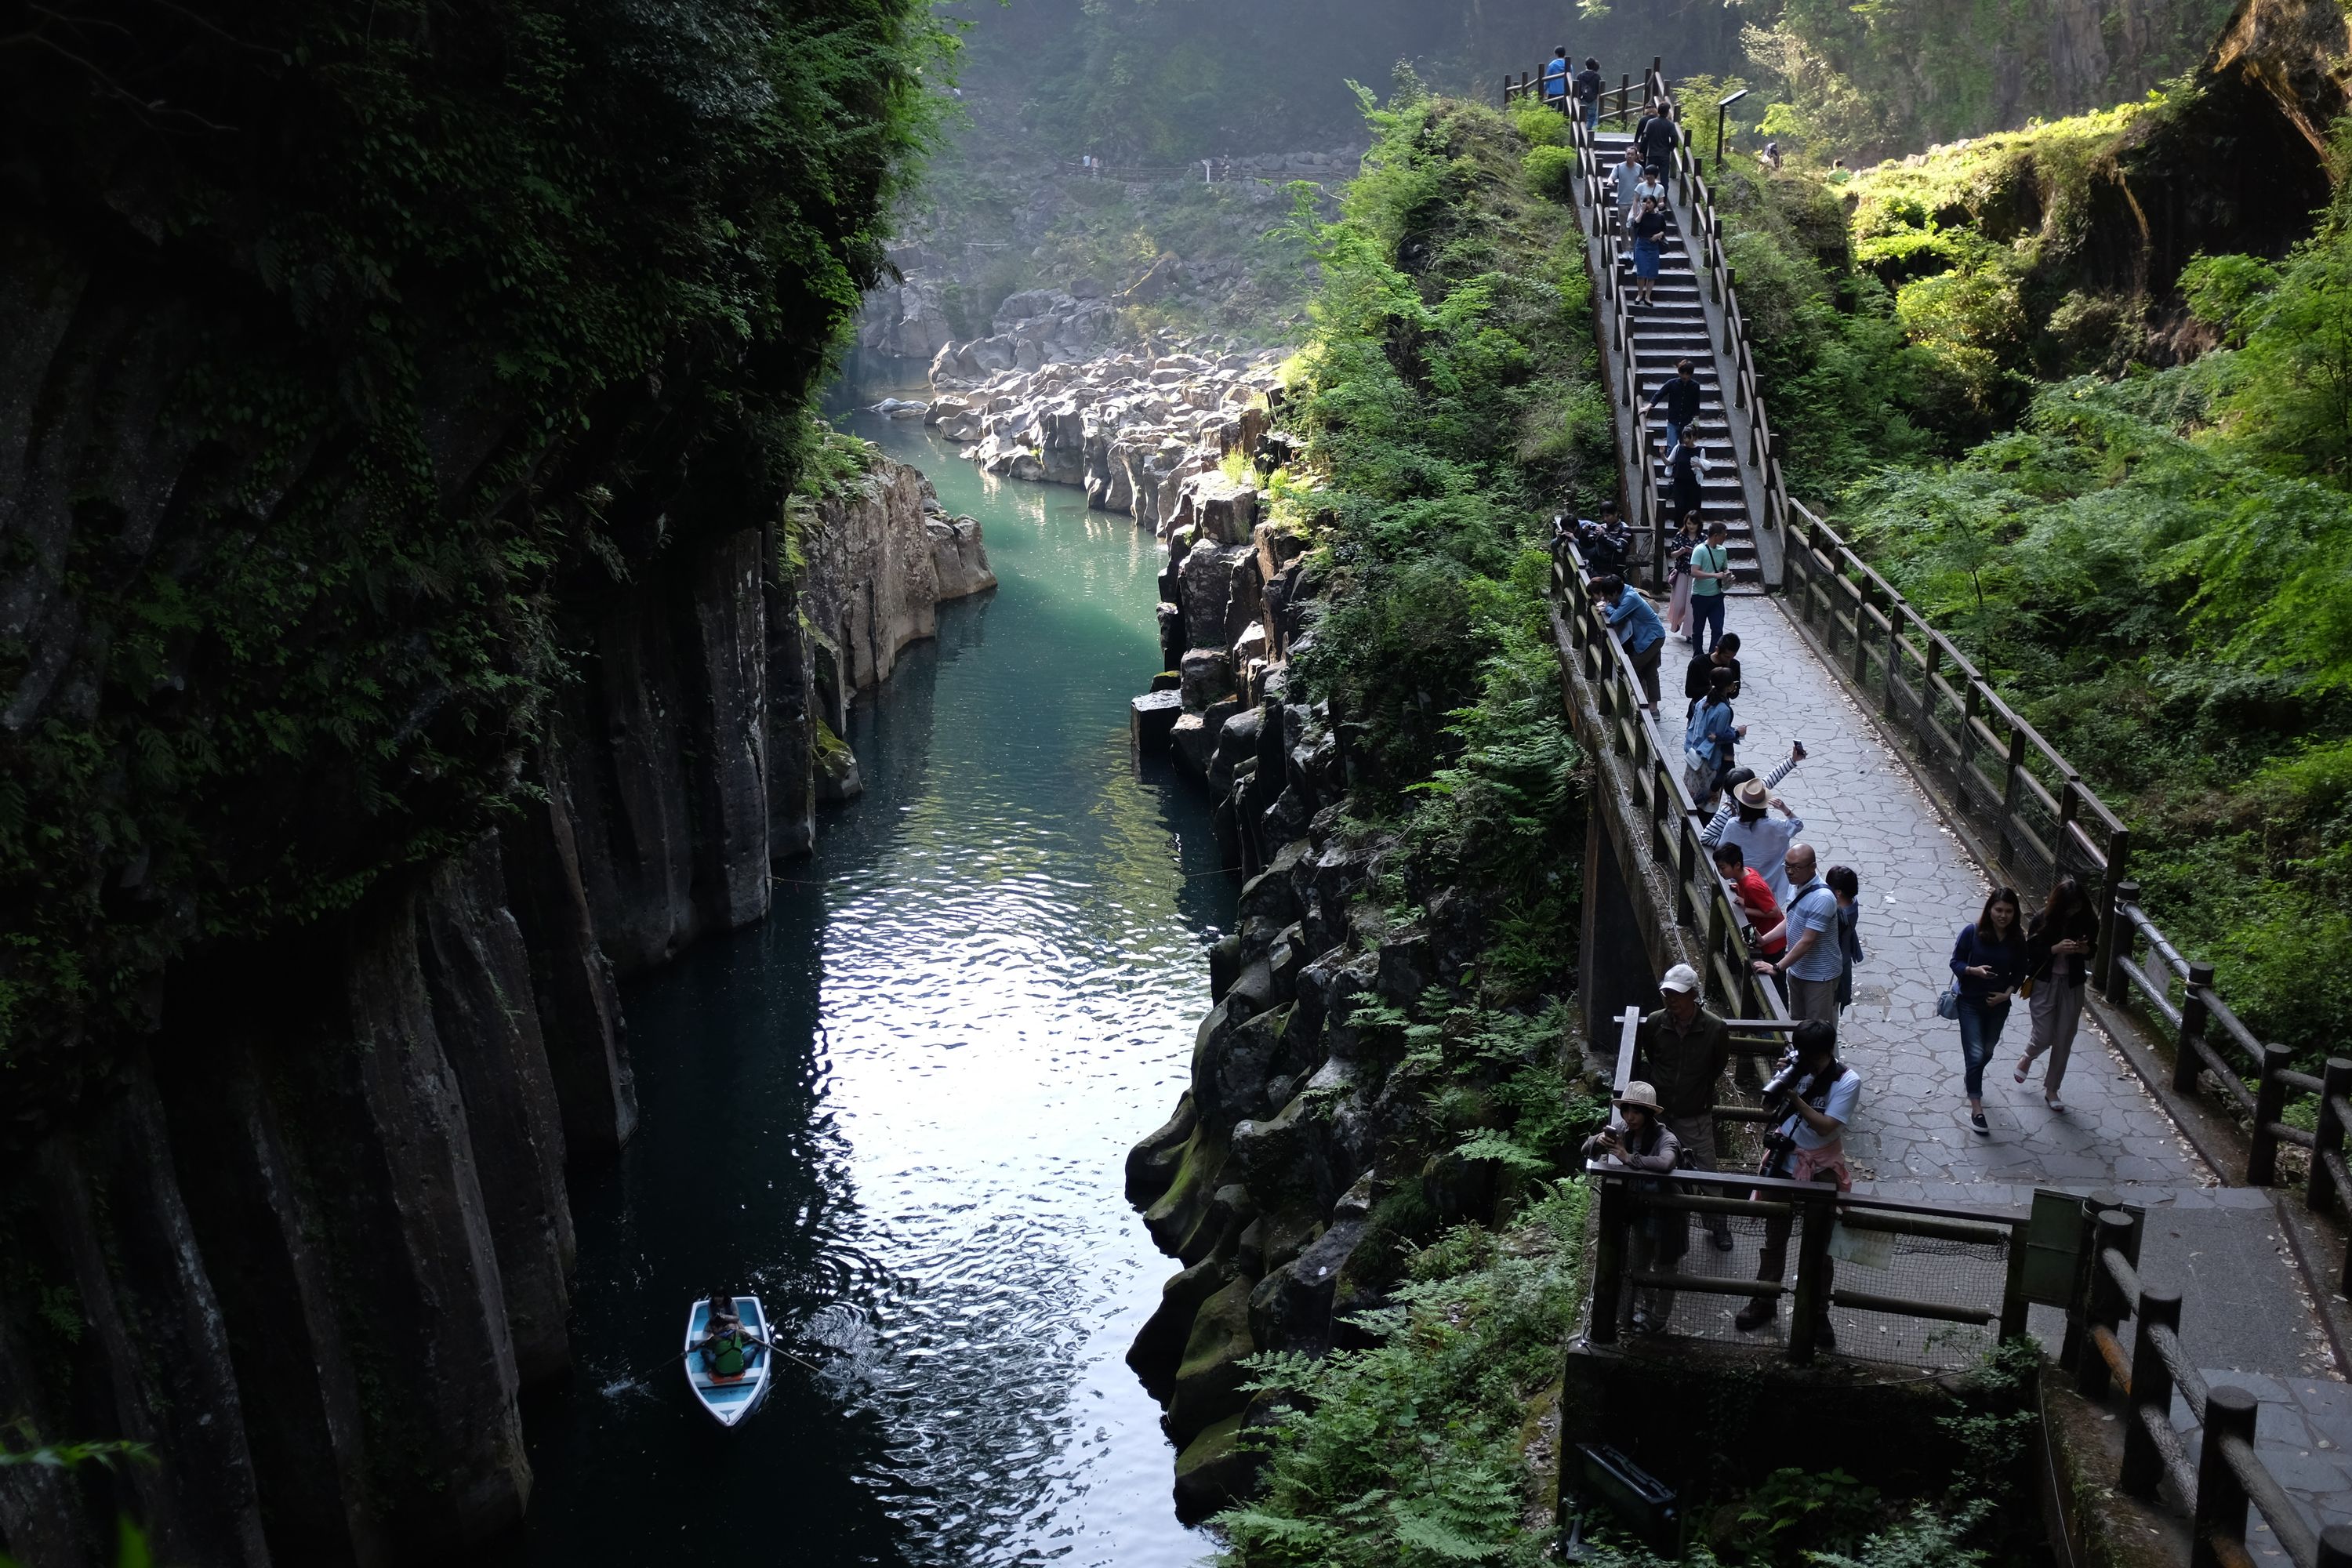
pixel 311 1239
pixel 1134 430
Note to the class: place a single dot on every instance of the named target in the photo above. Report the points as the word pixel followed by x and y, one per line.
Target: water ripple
pixel 900 1111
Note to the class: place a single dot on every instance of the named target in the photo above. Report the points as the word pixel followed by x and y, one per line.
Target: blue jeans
pixel 1979 1035
pixel 1706 610
pixel 1675 429
pixel 1592 115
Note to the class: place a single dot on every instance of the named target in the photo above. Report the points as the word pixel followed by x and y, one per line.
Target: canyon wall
pixel 308 1236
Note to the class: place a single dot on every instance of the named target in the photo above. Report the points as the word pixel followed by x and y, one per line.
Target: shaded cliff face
pixel 355 369
pixel 396 408
pixel 314 1238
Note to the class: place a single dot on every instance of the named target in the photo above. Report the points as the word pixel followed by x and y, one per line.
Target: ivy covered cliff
pixel 402 633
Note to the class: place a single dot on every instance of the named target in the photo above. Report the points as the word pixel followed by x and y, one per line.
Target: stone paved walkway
pixel 1919 885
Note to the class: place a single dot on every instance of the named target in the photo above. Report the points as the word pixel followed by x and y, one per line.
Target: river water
pixel 899 1108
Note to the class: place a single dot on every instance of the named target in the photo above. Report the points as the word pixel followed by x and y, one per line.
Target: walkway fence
pixel 1703 903
pixel 1908 1265
pixel 2037 819
pixel 2228 1476
pixel 1704 242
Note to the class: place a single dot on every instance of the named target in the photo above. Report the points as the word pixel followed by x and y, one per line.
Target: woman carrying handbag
pixel 2057 961
pixel 1987 962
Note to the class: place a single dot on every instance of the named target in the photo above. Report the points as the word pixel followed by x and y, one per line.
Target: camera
pixel 1784 1076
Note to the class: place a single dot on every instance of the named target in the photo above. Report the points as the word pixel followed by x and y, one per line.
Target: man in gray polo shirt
pixel 1812 960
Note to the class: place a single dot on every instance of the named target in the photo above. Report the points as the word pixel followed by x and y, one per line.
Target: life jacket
pixel 725 1353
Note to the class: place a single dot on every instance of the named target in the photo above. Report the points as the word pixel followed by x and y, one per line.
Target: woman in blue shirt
pixel 1987 960
pixel 1708 741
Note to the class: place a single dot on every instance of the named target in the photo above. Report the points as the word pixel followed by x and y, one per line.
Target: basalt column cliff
pixel 403 635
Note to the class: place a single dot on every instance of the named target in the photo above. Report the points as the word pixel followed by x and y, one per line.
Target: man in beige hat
pixel 1683 1048
pixel 1637 1139
pixel 1763 840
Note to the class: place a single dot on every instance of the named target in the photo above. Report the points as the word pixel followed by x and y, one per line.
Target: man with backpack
pixel 1589 86
pixel 1659 136
pixel 1555 79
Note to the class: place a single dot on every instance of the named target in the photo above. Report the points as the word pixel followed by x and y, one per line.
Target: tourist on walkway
pixel 1687 539
pixel 1722 819
pixel 1761 840
pixel 1708 742
pixel 1848 888
pixel 1680 393
pixel 1685 466
pixel 1555 79
pixel 1710 576
pixel 1649 239
pixel 1659 137
pixel 1813 959
pixel 2058 948
pixel 1810 1146
pixel 1683 1048
pixel 1588 87
pixel 1637 628
pixel 1768 936
pixel 1637 1139
pixel 1987 962
pixel 1651 186
pixel 1624 175
pixel 1698 676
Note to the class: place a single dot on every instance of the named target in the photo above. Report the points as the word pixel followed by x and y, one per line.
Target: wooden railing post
pixel 2217 1531
pixel 2328 1138
pixel 2071 1348
pixel 2013 1304
pixel 2270 1104
pixel 2111 927
pixel 2151 1392
pixel 1609 1261
pixel 2188 1061
pixel 1818 1212
pixel 2117 934
pixel 2012 784
pixel 2103 1302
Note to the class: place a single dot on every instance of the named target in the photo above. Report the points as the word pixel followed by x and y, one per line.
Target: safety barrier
pixel 2228 1476
pixel 1703 904
pixel 1939 1239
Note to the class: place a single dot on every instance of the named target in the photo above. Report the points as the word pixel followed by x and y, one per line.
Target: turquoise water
pixel 899 1110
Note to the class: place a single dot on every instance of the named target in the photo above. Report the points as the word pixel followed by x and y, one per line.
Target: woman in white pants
pixel 2058 948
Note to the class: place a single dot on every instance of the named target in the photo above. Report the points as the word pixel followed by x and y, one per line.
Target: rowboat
pixel 728 1399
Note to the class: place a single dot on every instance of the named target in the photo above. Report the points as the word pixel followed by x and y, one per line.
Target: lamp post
pixel 1722 112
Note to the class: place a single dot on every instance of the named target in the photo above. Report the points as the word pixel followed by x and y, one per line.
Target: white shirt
pixel 1765 845
pixel 1645 189
pixel 1838 1107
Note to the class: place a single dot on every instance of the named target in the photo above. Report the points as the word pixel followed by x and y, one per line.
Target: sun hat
pixel 1681 977
pixel 1754 794
pixel 1639 1095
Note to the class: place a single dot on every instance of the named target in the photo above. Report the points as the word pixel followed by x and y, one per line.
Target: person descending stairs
pixel 1670 330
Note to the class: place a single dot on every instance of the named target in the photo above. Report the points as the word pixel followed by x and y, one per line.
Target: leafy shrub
pixel 1551 170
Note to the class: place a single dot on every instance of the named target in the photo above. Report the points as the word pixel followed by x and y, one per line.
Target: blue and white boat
pixel 728 1399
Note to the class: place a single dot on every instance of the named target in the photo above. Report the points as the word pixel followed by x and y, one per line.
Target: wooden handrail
pixel 2228 1476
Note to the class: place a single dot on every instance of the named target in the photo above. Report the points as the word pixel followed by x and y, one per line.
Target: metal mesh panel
pixel 1962 1274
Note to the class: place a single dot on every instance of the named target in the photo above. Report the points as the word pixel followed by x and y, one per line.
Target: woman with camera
pixel 1637 1139
pixel 1987 962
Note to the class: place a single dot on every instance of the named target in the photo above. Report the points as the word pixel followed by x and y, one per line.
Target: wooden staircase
pixel 1695 316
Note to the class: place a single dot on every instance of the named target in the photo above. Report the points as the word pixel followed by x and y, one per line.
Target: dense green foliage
pixel 1145 81
pixel 1448 398
pixel 449 315
pixel 1413 1453
pixel 2149 563
pixel 1865 81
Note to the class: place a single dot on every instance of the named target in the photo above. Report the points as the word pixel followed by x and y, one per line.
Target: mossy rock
pixel 1209 1380
pixel 1215 1471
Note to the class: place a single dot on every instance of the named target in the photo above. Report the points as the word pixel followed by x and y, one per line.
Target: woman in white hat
pixel 1637 1139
